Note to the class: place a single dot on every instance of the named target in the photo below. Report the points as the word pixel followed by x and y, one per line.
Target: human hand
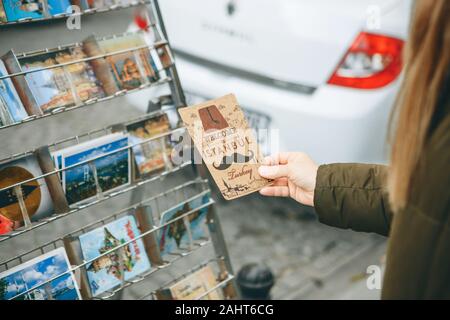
pixel 294 174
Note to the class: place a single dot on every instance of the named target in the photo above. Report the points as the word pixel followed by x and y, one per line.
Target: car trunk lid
pixel 294 41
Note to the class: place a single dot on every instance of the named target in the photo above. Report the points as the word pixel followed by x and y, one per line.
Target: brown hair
pixel 426 56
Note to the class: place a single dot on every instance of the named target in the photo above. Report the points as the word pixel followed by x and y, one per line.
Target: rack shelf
pixel 165 80
pixel 222 283
pixel 86 12
pixel 151 272
pixel 89 135
pixel 87 103
pixel 126 283
pixel 213 244
pixel 167 193
pixel 90 204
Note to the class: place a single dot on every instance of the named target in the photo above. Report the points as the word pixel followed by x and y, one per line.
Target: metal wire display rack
pixel 119 93
pixel 159 264
pixel 214 245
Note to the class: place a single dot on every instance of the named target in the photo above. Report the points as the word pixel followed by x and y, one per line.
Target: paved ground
pixel 310 260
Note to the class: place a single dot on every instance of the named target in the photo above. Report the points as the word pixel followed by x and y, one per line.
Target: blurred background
pixel 314 76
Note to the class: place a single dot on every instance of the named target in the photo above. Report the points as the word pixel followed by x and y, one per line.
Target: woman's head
pixel 426 56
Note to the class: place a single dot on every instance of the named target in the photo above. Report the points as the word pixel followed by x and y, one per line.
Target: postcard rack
pixel 101 196
pixel 160 203
pixel 184 185
pixel 165 80
pixel 78 12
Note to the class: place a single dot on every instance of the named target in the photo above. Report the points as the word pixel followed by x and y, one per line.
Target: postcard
pixel 57 6
pixel 164 56
pixel 5 118
pixel 28 281
pixel 57 160
pixel 37 200
pixel 195 285
pixel 62 86
pixel 102 4
pixel 2 14
pixel 13 109
pixel 110 270
pixel 106 173
pixel 227 145
pixel 81 74
pixel 132 68
pixel 16 10
pixel 182 232
pixel 34 9
pixel 153 155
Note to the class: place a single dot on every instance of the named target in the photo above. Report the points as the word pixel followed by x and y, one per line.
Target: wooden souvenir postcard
pixel 227 145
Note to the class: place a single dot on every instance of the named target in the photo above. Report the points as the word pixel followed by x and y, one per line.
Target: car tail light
pixel 372 61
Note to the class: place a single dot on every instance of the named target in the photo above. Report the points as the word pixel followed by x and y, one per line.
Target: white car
pixel 324 72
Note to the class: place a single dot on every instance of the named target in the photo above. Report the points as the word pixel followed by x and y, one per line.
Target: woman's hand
pixel 294 174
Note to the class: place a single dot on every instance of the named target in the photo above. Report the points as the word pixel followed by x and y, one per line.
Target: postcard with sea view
pixel 112 171
pixel 28 281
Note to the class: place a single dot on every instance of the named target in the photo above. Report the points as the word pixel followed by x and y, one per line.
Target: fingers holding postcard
pixel 227 145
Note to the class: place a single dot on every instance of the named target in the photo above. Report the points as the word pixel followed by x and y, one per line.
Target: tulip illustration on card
pixel 227 145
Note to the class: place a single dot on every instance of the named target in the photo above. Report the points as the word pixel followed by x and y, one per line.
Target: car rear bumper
pixel 332 124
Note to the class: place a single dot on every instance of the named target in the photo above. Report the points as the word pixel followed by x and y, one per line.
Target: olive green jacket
pixel 418 256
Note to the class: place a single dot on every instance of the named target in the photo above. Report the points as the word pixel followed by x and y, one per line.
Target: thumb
pixel 274 172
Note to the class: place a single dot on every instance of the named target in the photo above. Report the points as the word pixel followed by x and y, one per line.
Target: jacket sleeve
pixel 352 196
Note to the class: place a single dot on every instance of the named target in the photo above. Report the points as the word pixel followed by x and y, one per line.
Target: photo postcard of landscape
pixel 113 170
pixel 32 276
pixel 175 235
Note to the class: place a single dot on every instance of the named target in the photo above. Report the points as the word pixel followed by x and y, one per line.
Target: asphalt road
pixel 309 260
